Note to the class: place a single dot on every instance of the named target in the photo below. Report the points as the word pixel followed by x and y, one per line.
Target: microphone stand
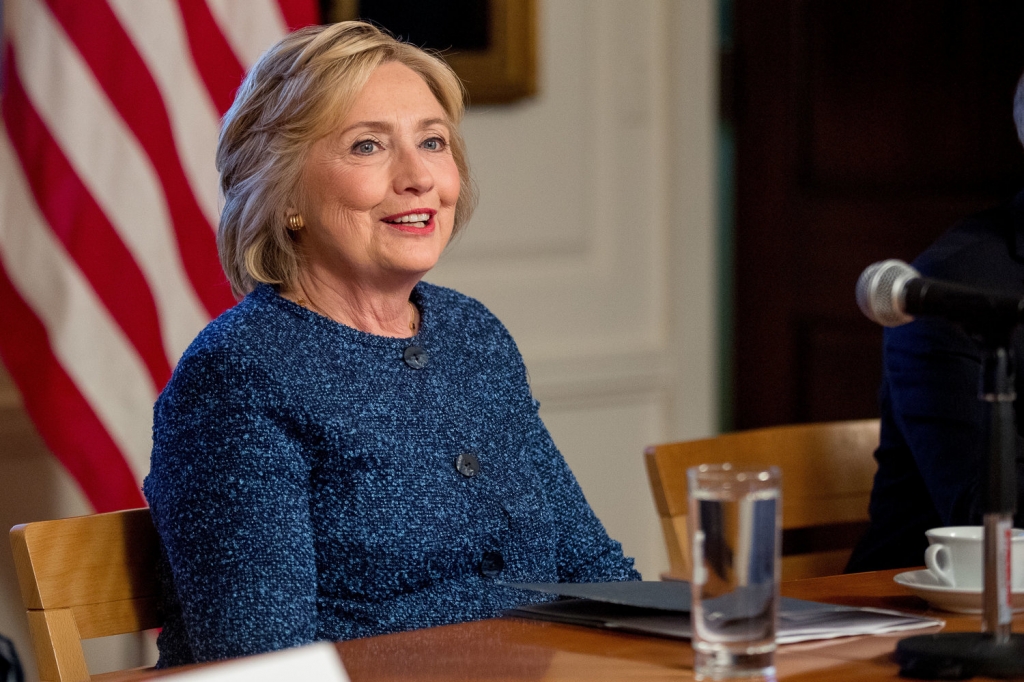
pixel 995 651
pixel 997 389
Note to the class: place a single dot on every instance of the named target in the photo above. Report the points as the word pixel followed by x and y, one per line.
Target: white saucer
pixel 956 599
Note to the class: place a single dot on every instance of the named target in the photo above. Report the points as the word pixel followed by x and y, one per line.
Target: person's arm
pixel 933 369
pixel 585 552
pixel 229 495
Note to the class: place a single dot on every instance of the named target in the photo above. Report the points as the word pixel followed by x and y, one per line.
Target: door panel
pixel 865 129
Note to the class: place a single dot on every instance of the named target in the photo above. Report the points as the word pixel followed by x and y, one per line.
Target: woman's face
pixel 378 194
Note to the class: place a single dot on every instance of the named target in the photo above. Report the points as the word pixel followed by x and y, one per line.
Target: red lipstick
pixel 416 221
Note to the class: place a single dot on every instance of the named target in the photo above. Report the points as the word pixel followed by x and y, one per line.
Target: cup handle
pixel 936 558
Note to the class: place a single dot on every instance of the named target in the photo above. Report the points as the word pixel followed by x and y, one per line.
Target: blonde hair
pixel 297 92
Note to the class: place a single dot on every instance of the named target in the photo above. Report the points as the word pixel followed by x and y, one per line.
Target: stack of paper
pixel 663 608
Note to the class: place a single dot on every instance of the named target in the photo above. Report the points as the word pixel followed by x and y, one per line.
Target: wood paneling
pixel 865 129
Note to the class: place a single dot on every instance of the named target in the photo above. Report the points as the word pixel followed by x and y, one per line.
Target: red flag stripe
pixel 299 14
pixel 218 66
pixel 64 419
pixel 85 339
pixel 110 162
pixel 158 34
pixel 249 26
pixel 108 197
pixel 81 226
pixel 106 48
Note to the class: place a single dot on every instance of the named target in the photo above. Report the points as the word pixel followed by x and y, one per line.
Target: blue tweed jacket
pixel 310 481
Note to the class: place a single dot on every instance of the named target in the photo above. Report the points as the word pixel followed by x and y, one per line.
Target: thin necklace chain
pixel 307 302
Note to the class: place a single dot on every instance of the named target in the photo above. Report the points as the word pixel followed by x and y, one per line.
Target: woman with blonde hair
pixel 351 451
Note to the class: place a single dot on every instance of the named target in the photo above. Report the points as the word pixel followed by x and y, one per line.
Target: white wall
pixel 593 242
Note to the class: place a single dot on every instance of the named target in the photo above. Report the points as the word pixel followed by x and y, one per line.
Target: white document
pixel 313 663
pixel 663 608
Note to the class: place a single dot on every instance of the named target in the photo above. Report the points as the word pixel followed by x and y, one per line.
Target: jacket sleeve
pixel 228 490
pixel 933 372
pixel 585 552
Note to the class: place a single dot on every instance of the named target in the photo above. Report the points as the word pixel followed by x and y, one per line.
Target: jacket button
pixel 416 357
pixel 467 464
pixel 492 564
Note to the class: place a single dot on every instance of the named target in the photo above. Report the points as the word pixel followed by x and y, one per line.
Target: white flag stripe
pixel 111 164
pixel 85 339
pixel 250 26
pixel 160 38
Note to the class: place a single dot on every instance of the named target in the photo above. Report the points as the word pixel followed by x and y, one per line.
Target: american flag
pixel 108 209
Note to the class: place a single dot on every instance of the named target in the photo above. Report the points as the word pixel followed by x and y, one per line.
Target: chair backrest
pixel 85 577
pixel 827 473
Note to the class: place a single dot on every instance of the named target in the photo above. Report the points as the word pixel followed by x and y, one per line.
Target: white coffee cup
pixel 955 557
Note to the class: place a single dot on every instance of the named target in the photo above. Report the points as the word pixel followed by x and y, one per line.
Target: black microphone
pixel 892 293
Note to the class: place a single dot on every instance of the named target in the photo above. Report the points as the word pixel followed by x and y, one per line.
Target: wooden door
pixel 864 128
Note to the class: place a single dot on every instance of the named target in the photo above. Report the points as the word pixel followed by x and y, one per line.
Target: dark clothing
pixel 313 482
pixel 934 427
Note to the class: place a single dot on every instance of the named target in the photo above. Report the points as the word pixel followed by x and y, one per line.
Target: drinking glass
pixel 735 537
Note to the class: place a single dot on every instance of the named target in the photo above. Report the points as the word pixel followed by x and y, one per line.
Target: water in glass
pixel 735 517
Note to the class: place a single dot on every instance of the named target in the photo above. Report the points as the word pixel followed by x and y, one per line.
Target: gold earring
pixel 295 222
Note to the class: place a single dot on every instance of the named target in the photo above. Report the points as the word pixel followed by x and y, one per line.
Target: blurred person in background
pixel 932 454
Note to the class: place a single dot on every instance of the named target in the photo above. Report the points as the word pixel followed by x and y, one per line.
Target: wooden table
pixel 513 650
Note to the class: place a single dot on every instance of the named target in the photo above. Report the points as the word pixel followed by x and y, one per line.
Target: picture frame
pixel 504 71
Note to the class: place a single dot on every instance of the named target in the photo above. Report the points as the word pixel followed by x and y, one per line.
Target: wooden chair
pixel 85 577
pixel 827 473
